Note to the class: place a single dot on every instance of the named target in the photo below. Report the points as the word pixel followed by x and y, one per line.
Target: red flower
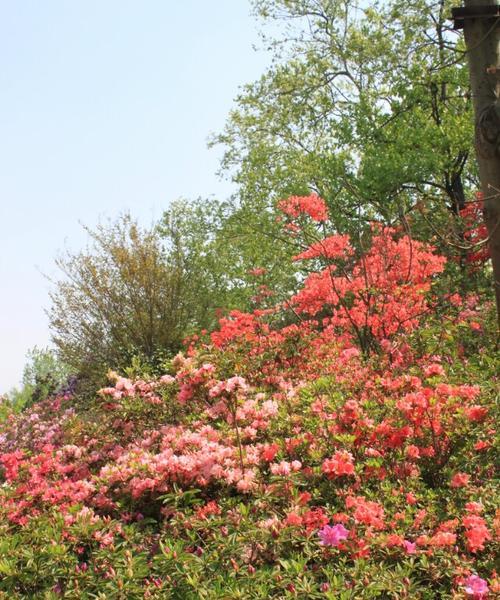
pixel 340 464
pixel 459 480
pixel 312 205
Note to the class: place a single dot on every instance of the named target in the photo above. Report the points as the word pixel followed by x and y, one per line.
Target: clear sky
pixel 105 106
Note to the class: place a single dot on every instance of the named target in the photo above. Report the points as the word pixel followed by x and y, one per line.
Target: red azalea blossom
pixel 312 205
pixel 340 464
pixel 459 480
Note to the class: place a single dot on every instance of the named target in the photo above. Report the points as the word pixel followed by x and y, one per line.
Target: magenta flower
pixel 410 547
pixel 332 536
pixel 476 587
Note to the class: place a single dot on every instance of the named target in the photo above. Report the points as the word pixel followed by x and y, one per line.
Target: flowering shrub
pixel 367 296
pixel 475 232
pixel 274 462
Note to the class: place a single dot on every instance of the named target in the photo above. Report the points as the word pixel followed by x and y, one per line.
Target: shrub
pixel 272 462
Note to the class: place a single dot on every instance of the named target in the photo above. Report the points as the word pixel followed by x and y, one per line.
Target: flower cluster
pixel 312 205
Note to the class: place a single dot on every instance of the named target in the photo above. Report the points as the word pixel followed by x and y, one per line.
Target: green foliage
pixel 43 375
pixel 221 244
pixel 366 104
pixel 131 296
pixel 191 230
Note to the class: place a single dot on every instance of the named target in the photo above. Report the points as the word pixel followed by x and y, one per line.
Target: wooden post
pixel 481 24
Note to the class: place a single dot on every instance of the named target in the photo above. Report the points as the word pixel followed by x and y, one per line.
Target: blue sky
pixel 105 106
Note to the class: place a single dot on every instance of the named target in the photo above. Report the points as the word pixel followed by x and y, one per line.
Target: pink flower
pixel 312 205
pixel 481 445
pixel 293 519
pixel 410 547
pixel 247 482
pixel 410 498
pixel 476 413
pixel 367 512
pixel 477 532
pixel 476 587
pixel 349 353
pixel 455 299
pixel 474 507
pixel 282 468
pixel 335 246
pixel 332 536
pixel 434 369
pixel 236 382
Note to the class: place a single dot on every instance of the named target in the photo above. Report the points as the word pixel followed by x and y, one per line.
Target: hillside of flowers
pixel 337 444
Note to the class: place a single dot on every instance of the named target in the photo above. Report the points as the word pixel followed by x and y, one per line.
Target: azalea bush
pixel 336 445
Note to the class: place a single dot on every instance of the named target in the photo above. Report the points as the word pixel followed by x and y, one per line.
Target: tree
pixel 43 375
pixel 192 231
pixel 368 105
pixel 481 31
pixel 129 294
pixel 223 254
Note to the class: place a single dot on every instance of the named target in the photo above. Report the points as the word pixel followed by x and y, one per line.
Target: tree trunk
pixel 482 39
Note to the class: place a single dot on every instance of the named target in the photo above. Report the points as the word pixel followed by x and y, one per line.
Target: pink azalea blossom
pixel 332 536
pixel 476 587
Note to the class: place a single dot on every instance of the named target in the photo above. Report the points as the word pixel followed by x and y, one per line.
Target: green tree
pixel 43 375
pixel 223 253
pixel 135 294
pixel 189 230
pixel 365 103
pixel 129 294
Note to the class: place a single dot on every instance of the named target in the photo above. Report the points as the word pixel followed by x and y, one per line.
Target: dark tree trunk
pixel 482 38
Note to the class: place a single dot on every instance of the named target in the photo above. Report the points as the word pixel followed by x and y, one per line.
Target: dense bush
pixel 130 296
pixel 276 459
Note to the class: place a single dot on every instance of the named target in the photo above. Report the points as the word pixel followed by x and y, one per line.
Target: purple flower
pixel 332 536
pixel 475 586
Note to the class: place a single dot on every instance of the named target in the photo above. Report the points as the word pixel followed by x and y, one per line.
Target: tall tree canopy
pixel 365 103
